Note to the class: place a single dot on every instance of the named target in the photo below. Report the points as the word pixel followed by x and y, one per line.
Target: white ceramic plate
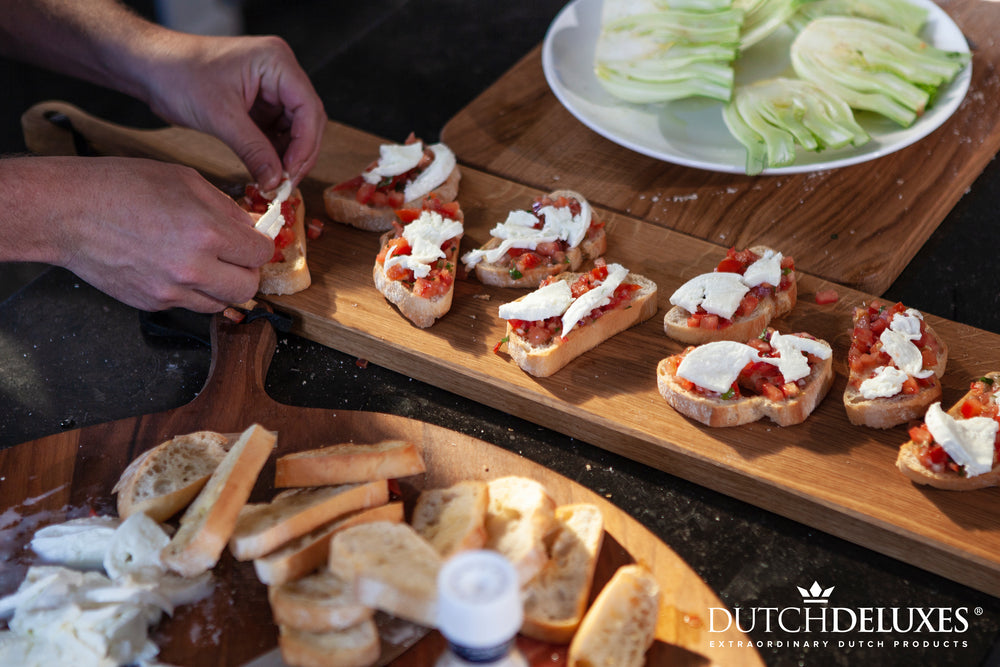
pixel 691 132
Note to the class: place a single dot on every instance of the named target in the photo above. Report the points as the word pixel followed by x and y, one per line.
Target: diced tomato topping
pixel 284 238
pixel 920 435
pixel 397 246
pixel 315 229
pixel 730 265
pixel 826 296
pixel 708 321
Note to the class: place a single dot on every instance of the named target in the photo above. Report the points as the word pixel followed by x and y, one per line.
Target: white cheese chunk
pixel 79 543
pixel 559 220
pixel 905 355
pixel 433 175
pixel 518 231
pixel 969 442
pixel 547 301
pixel 792 350
pixel 135 548
pixel 907 323
pixel 395 159
pixel 719 293
pixel 595 298
pixel 887 381
pixel 767 269
pixel 425 236
pixel 715 366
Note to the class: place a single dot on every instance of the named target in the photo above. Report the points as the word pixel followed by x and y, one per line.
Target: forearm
pixel 38 201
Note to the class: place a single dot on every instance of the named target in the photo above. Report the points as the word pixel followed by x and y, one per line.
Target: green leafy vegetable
pixel 874 66
pixel 899 13
pixel 667 55
pixel 770 117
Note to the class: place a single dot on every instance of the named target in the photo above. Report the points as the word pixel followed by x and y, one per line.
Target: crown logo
pixel 816 594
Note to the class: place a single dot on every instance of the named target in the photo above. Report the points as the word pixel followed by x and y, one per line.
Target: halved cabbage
pixel 902 14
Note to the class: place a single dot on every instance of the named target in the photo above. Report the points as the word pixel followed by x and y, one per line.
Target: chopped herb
pixel 729 395
pixel 986 381
pixel 515 274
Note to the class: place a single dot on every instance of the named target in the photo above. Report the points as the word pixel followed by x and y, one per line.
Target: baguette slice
pixel 163 480
pixel 744 327
pixel 453 519
pixel 392 569
pixel 909 461
pixel 319 602
pixel 264 527
pixel 544 360
pixel 620 626
pixel 290 274
pixel 356 646
pixel 498 273
pixel 903 407
pixel 348 463
pixel 519 516
pixel 556 600
pixel 307 553
pixel 714 411
pixel 208 522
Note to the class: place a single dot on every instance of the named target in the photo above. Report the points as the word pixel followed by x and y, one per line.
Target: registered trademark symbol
pixel 978 611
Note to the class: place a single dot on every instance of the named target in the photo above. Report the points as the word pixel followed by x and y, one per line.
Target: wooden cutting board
pixel 824 473
pixel 858 226
pixel 67 474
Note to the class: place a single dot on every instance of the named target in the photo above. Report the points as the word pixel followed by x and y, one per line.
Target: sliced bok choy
pixel 902 14
pixel 763 17
pixel 770 117
pixel 874 66
pixel 668 55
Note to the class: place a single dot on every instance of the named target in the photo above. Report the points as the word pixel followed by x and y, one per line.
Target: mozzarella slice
pixel 887 381
pixel 518 231
pixel 905 355
pixel 135 548
pixel 595 298
pixel 907 323
pixel 719 293
pixel 547 301
pixel 792 351
pixel 272 221
pixel 767 269
pixel 425 235
pixel 79 543
pixel 969 442
pixel 433 175
pixel 394 159
pixel 715 366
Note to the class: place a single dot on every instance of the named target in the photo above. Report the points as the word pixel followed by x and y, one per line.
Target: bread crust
pixel 498 275
pixel 742 328
pixel 356 646
pixel 717 412
pixel 543 361
pixel 342 206
pixel 349 462
pixel 908 460
pixel 319 602
pixel 422 311
pixel 453 519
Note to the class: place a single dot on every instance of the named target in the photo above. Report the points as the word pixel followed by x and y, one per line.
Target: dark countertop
pixel 72 357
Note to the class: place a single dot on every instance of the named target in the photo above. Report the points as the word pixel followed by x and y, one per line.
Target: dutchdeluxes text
pixel 794 620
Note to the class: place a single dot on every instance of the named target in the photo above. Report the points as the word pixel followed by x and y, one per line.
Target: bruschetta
pixel 416 264
pixel 747 290
pixel 959 449
pixel 574 312
pixel 725 383
pixel 894 364
pixel 287 272
pixel 556 234
pixel 401 177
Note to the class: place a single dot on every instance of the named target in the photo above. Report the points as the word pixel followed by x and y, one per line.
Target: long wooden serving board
pixel 824 473
pixel 73 472
pixel 858 226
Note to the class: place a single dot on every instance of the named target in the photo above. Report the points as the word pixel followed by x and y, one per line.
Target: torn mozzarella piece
pixel 79 543
pixel 792 350
pixel 394 159
pixel 886 382
pixel 135 549
pixel 715 366
pixel 433 175
pixel 519 231
pixel 596 298
pixel 907 323
pixel 767 269
pixel 905 355
pixel 425 236
pixel 718 293
pixel 969 442
pixel 547 301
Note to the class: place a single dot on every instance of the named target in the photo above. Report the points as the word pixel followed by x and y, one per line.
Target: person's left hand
pixel 250 92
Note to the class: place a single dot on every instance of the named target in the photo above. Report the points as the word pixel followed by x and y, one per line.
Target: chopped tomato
pixel 315 229
pixel 730 265
pixel 284 238
pixel 920 435
pixel 397 246
pixel 825 296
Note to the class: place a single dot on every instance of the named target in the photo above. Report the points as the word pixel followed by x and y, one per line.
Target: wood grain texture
pixel 72 471
pixel 824 473
pixel 857 226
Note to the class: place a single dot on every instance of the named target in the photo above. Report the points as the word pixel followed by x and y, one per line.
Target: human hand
pixel 154 235
pixel 248 91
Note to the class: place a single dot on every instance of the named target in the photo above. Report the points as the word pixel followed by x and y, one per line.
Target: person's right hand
pixel 153 235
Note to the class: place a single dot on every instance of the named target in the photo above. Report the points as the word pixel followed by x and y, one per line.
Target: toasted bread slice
pixel 319 602
pixel 453 519
pixel 519 515
pixel 504 273
pixel 556 600
pixel 264 527
pixel 163 480
pixel 208 522
pixel 347 463
pixel 290 274
pixel 356 646
pixel 713 410
pixel 910 463
pixel 620 626
pixel 741 328
pixel 392 568
pixel 545 359
pixel 890 411
pixel 305 554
